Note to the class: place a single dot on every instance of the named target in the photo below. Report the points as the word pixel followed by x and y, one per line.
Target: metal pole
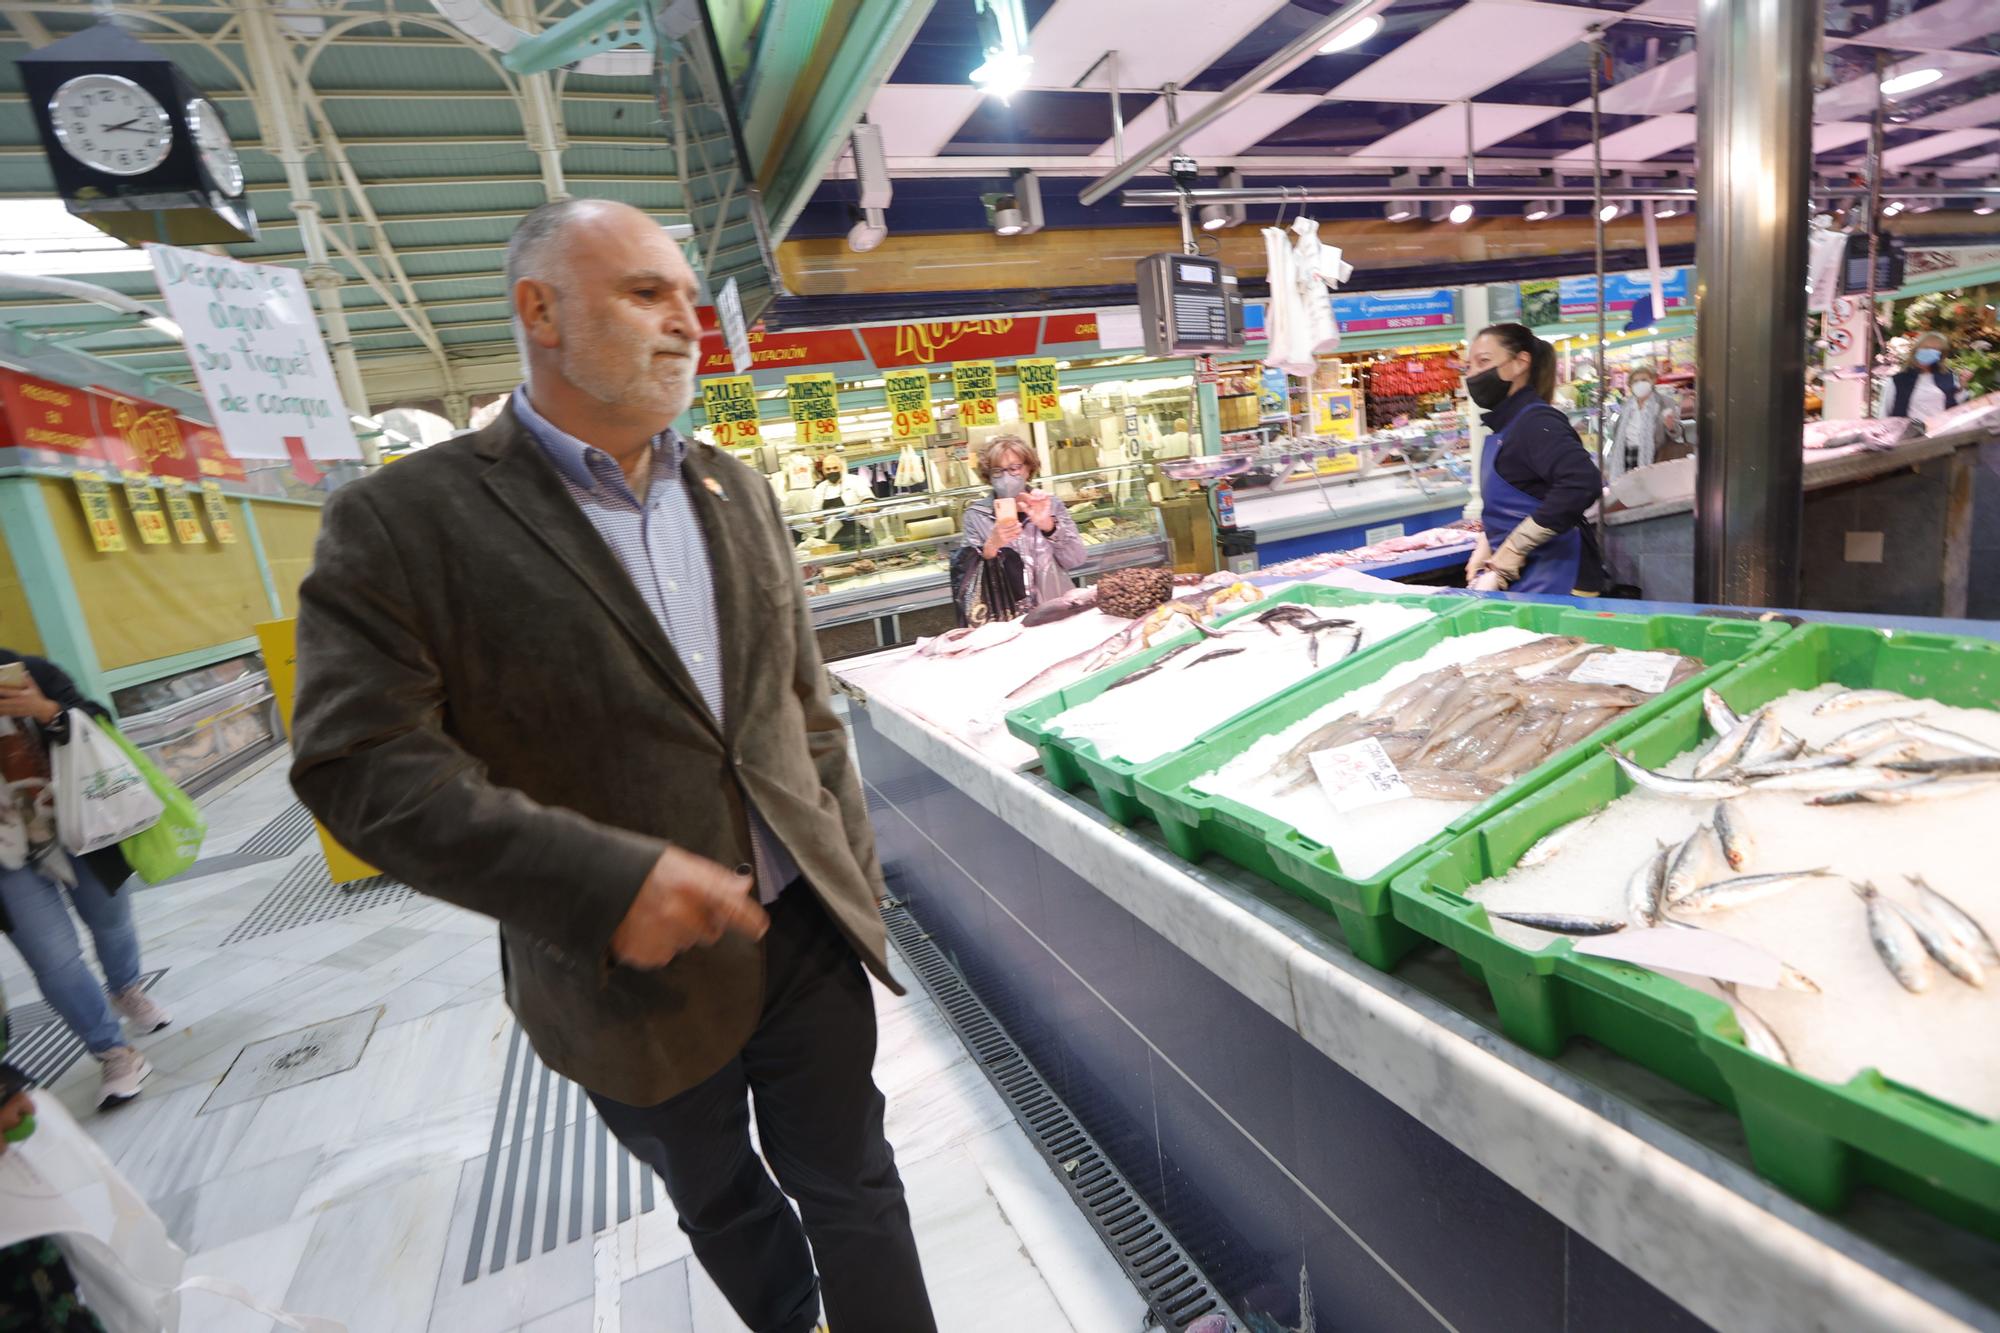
pixel 1471 167
pixel 1117 110
pixel 1754 144
pixel 1874 224
pixel 1597 228
pixel 1188 246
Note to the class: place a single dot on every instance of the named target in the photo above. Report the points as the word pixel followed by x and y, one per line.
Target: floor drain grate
pixel 1172 1285
pixel 40 1044
pixel 291 1058
pixel 282 836
pixel 307 895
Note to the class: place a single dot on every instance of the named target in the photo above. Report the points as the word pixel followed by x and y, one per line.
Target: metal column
pixel 1758 60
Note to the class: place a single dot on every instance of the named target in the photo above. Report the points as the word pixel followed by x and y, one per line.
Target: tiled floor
pixel 357 1195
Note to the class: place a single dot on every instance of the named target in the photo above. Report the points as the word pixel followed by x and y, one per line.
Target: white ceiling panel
pixel 1662 134
pixel 1683 10
pixel 919 119
pixel 1856 97
pixel 1937 146
pixel 1980 113
pixel 1243 125
pixel 1159 42
pixel 1947 24
pixel 1468 52
pixel 1826 138
pixel 1668 86
pixel 1442 133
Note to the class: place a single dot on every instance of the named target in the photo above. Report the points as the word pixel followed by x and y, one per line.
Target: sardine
pixel 1839 778
pixel 1694 862
pixel 1777 768
pixel 1151 667
pixel 1896 940
pixel 1692 789
pixel 1758 1036
pixel 1210 656
pixel 1722 719
pixel 1725 894
pixel 1729 747
pixel 1907 793
pixel 1352 638
pixel 1735 839
pixel 1860 740
pixel 1957 921
pixel 1944 740
pixel 1646 890
pixel 1944 946
pixel 1896 751
pixel 1963 765
pixel 1561 923
pixel 1849 699
pixel 1551 845
pixel 1779 748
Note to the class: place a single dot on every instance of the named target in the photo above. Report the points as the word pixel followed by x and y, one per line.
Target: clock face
pixel 111 124
pixel 211 140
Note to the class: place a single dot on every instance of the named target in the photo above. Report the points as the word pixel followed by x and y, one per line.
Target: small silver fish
pixel 1551 845
pixel 1646 890
pixel 1730 746
pixel 1693 789
pixel 1849 699
pixel 1694 862
pixel 1942 945
pixel 1722 719
pixel 1906 793
pixel 1777 768
pixel 1860 740
pixel 1561 923
pixel 1957 921
pixel 1724 894
pixel 1896 940
pixel 1736 842
pixel 1758 1035
pixel 1835 778
pixel 1944 740
pixel 1792 979
pixel 1778 746
pixel 1961 766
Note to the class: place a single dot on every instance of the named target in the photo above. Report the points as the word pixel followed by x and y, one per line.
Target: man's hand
pixel 1005 533
pixel 688 901
pixel 28 701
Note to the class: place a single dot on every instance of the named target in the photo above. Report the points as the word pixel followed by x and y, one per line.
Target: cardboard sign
pixel 218 513
pixel 98 515
pixel 908 393
pixel 815 408
pixel 180 510
pixel 730 404
pixel 976 385
pixel 144 502
pixel 1041 394
pixel 729 309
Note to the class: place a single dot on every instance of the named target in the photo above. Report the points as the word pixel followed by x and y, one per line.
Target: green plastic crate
pixel 1071 763
pixel 1814 1139
pixel 1196 822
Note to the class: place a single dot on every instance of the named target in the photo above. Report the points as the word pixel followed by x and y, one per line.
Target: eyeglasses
pixel 1012 470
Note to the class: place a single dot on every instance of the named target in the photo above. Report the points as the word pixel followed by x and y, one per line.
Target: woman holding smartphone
pixel 1019 543
pixel 40 882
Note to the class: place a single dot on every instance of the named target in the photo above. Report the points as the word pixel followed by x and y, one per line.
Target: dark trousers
pixel 808 1070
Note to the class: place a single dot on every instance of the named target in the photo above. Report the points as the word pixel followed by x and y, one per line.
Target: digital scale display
pixel 1188 303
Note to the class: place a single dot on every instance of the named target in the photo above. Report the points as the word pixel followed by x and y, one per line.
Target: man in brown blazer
pixel 561 671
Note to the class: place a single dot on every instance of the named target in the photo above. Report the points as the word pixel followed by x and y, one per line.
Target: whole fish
pixel 1781 747
pixel 1722 719
pixel 1725 894
pixel 1776 768
pixel 1210 656
pixel 1792 979
pixel 1551 845
pixel 1561 923
pixel 1945 740
pixel 1849 699
pixel 1561 665
pixel 1352 639
pixel 1583 722
pixel 1834 778
pixel 1758 1036
pixel 1896 751
pixel 1693 863
pixel 1061 608
pixel 1906 793
pixel 1860 740
pixel 1957 921
pixel 1729 747
pixel 1528 654
pixel 1896 940
pixel 1964 764
pixel 1692 789
pixel 1151 667
pixel 1942 945
pixel 1563 694
pixel 1285 612
pixel 1431 785
pixel 1464 723
pixel 1735 839
pixel 1646 890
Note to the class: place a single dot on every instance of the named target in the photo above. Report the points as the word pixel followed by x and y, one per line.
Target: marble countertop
pixel 1655 1176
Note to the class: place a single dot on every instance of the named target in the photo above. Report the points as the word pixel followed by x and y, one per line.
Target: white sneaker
pixel 124 1071
pixel 139 1009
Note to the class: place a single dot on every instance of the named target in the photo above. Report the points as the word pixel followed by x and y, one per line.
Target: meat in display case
pixel 203 725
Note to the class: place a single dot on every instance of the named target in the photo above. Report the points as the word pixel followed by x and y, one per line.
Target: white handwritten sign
pixel 257 352
pixel 1358 775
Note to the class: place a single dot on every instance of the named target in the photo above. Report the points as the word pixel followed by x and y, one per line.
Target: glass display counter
pixel 201 726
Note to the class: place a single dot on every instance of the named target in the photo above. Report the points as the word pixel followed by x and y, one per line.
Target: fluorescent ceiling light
pixel 161 324
pixel 1353 35
pixel 41 237
pixel 1898 84
pixel 1004 73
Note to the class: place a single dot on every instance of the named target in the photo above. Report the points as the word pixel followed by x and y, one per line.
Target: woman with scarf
pixel 40 882
pixel 1018 542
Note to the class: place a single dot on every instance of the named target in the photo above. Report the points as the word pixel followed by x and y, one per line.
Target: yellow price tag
pixel 908 394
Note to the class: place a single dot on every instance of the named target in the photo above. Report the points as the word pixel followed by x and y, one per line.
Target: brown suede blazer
pixel 488 711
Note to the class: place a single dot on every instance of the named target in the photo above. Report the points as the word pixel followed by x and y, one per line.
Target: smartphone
pixel 14 675
pixel 1005 508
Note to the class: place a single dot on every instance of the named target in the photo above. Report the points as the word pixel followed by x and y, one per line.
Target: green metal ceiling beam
pixel 604 25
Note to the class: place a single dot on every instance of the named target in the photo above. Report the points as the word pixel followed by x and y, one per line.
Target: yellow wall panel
pixel 149 602
pixel 289 532
pixel 17 622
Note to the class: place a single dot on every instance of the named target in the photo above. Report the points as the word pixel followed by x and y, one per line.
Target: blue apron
pixel 1552 567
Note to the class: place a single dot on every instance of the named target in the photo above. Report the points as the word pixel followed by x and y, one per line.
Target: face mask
pixel 1488 389
pixel 1642 389
pixel 1007 485
pixel 1929 356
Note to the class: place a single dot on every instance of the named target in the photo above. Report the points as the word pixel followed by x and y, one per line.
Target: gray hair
pixel 530 250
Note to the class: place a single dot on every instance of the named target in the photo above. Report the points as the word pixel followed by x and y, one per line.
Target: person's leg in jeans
pixel 743 1232
pixel 47 939
pixel 109 916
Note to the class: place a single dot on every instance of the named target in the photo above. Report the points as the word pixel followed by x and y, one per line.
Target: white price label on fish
pixel 1359 775
pixel 1648 673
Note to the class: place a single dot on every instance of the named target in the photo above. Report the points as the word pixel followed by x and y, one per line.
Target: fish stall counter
pixel 1337 513
pixel 1332 1142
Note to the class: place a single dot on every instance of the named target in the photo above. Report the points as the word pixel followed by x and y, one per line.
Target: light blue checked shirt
pixel 659 541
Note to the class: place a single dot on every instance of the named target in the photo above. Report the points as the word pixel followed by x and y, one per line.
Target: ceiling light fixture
pixel 1003 30
pixel 161 324
pixel 1461 213
pixel 1893 207
pixel 1909 81
pixel 870 228
pixel 1401 210
pixel 1670 208
pixel 1353 35
pixel 1986 204
pixel 1006 216
pixel 1214 217
pixel 1540 210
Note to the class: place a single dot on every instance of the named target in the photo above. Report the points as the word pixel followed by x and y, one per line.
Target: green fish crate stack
pixel 1197 823
pixel 1816 1140
pixel 1074 764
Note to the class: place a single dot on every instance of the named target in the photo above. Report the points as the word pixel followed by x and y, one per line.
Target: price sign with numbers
pixel 976 384
pixel 815 408
pixel 218 512
pixel 730 404
pixel 98 515
pixel 1041 394
pixel 187 524
pixel 144 502
pixel 909 397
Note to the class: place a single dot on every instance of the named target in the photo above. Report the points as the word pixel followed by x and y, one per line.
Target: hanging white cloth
pixel 1314 271
pixel 1288 345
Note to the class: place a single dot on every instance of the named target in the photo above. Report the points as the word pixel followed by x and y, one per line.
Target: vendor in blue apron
pixel 1536 480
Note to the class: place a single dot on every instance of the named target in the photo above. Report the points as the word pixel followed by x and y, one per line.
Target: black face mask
pixel 1488 389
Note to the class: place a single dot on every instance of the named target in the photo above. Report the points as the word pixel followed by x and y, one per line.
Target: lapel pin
pixel 715 489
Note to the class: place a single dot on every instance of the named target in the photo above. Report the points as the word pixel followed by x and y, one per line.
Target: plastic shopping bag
pixel 170 846
pixel 101 796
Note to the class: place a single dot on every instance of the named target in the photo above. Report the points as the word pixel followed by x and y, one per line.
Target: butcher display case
pixel 203 725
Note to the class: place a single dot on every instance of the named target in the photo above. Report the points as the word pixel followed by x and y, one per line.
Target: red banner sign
pixel 952 340
pixel 50 416
pixel 212 457
pixel 148 436
pixel 1069 329
pixel 814 347
pixel 130 434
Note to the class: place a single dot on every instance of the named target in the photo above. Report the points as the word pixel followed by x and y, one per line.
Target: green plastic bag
pixel 170 846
